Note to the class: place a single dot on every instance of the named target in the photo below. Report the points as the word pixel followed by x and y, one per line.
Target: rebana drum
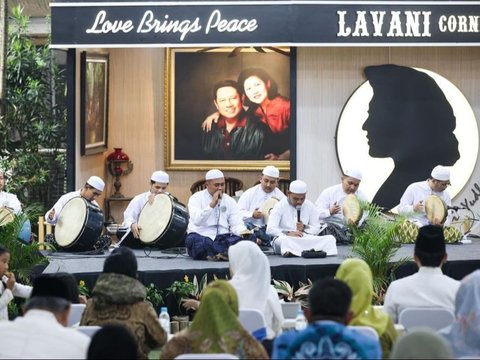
pixel 79 225
pixel 163 223
pixel 352 210
pixel 25 233
pixel 267 207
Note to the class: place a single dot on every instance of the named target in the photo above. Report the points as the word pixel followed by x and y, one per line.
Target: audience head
pixel 112 342
pixel 4 260
pixel 269 179
pixel 421 343
pixel 351 180
pixel 122 260
pixel 159 182
pixel 297 193
pixel 228 295
pixel 329 299
pixel 430 247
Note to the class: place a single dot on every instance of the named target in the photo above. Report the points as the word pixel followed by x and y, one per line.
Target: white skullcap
pixel 160 177
pixel 271 171
pixel 441 173
pixel 354 173
pixel 298 187
pixel 213 174
pixel 96 182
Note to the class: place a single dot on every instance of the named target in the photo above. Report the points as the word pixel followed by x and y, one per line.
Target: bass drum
pixel 163 223
pixel 79 225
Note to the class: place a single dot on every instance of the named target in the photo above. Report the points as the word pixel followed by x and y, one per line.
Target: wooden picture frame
pixel 190 77
pixel 93 102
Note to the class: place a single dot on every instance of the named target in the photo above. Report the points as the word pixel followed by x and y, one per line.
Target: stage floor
pixel 162 267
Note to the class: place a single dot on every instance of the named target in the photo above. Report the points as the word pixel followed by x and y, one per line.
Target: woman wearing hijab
pixel 421 343
pixel 215 328
pixel 358 276
pixel 464 334
pixel 251 279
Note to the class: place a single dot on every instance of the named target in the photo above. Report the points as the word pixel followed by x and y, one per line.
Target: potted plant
pixel 155 296
pixel 288 294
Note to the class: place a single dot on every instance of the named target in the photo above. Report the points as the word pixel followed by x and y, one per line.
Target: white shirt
pixel 284 218
pixel 38 335
pixel 134 208
pixel 10 201
pixel 426 288
pixel 331 195
pixel 417 192
pixel 253 199
pixel 7 295
pixel 222 219
pixel 61 203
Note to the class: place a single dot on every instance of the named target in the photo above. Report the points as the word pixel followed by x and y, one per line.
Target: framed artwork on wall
pixel 93 103
pixel 228 108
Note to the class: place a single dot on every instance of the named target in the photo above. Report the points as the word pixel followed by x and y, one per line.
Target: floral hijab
pixel 464 333
pixel 357 275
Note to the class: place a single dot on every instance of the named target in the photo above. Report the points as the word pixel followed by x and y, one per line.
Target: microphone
pixel 298 207
pixel 455 208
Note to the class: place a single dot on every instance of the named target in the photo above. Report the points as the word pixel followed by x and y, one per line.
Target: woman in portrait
pixel 411 121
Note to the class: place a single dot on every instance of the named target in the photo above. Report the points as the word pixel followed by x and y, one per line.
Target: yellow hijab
pixel 357 275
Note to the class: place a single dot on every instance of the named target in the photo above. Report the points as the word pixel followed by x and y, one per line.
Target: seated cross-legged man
pixel 252 203
pixel 294 224
pixel 215 222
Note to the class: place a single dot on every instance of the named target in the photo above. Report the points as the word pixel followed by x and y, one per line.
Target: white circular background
pixel 352 143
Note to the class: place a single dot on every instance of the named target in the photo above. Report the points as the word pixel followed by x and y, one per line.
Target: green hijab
pixel 357 275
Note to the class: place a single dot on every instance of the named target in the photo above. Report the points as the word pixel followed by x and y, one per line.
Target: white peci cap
pixel 354 173
pixel 441 173
pixel 160 177
pixel 271 171
pixel 96 182
pixel 298 187
pixel 213 174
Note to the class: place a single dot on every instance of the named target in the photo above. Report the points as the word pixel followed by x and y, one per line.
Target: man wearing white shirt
pixel 92 189
pixel 158 184
pixel 7 200
pixel 428 287
pixel 294 222
pixel 252 200
pixel 215 222
pixel 330 204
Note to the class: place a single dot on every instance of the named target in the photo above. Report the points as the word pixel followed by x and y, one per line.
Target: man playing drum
pixel 92 189
pixel 331 201
pixel 253 201
pixel 294 224
pixel 215 222
pixel 7 200
pixel 158 184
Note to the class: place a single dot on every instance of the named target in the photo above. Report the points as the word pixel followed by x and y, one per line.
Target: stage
pixel 162 267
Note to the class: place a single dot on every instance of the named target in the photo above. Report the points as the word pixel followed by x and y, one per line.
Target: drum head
pixel 6 216
pixel 155 218
pixel 463 220
pixel 267 207
pixel 71 221
pixel 352 211
pixel 435 209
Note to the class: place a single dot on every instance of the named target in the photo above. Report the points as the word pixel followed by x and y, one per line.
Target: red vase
pixel 118 155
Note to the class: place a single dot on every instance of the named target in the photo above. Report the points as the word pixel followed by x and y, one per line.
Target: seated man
pixel 215 222
pixel 294 224
pixel 42 331
pixel 158 184
pixel 327 336
pixel 92 189
pixel 7 200
pixel 252 200
pixel 330 205
pixel 428 287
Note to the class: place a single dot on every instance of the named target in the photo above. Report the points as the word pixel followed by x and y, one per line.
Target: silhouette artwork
pixel 411 121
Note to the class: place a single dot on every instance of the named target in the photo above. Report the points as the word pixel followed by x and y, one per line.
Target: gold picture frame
pixel 190 77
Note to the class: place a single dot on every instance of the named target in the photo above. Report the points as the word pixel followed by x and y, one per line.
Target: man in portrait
pixel 235 136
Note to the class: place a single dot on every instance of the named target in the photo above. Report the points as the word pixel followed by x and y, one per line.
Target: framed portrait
pixel 228 108
pixel 93 103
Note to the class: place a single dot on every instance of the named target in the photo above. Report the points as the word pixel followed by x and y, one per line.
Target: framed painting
pixel 228 108
pixel 93 103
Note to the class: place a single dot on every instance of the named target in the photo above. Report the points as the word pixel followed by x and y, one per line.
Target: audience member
pixel 421 343
pixel 327 336
pixel 428 287
pixel 42 331
pixel 464 334
pixel 119 298
pixel 112 342
pixel 357 274
pixel 216 328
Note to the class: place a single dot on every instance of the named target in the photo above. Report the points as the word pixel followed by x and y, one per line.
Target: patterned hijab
pixel 357 275
pixel 464 333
